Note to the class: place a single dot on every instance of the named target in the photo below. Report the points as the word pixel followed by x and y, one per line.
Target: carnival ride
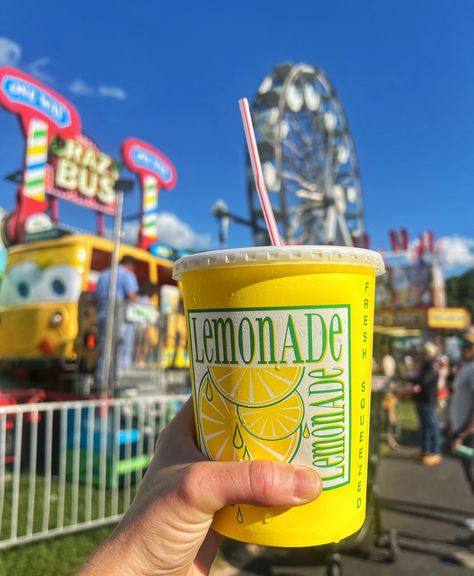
pixel 47 304
pixel 309 160
pixel 47 299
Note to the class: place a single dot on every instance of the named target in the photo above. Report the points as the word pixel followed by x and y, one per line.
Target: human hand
pixel 456 441
pixel 167 528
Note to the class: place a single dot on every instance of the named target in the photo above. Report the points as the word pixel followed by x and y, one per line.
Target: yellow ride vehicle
pixel 47 302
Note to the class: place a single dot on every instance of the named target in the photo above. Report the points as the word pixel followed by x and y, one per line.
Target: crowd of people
pixel 443 393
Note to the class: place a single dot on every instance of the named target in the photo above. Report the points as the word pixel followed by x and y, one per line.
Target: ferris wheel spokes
pixel 309 164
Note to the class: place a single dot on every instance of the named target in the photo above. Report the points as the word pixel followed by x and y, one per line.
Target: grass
pixel 64 504
pixel 49 517
pixel 61 555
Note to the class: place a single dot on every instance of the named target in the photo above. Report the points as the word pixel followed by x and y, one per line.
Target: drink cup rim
pixel 261 255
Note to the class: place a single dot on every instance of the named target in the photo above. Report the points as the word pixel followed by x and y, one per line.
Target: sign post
pixel 155 171
pixel 43 114
pixel 109 374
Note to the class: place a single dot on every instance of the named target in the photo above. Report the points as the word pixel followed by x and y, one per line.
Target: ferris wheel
pixel 308 160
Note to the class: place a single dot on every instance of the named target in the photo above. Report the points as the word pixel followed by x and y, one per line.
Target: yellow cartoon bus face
pixel 39 302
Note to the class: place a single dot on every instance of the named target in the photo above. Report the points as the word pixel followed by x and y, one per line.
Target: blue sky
pixel 172 73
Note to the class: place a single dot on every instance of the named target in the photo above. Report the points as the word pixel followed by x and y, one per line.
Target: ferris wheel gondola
pixel 308 160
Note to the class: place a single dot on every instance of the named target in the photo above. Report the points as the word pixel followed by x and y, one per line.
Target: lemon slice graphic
pixel 256 386
pixel 275 421
pixel 223 436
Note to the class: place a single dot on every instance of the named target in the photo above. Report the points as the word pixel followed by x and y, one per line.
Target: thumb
pixel 209 486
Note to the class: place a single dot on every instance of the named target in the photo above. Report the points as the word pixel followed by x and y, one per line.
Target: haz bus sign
pixel 83 174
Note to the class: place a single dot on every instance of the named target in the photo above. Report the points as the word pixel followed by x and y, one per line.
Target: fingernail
pixel 306 484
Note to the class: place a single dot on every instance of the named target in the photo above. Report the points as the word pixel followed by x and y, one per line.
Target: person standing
pixel 145 328
pixel 390 401
pixel 425 397
pixel 461 411
pixel 388 366
pixel 127 291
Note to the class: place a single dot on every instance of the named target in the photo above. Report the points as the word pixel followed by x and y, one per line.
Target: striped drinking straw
pixel 36 158
pixel 258 174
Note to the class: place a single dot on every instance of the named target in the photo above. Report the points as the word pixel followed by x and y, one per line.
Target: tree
pixel 460 291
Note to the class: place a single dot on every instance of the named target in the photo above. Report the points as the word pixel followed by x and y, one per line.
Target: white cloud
pixel 10 55
pixel 10 52
pixel 176 233
pixel 173 231
pixel 456 251
pixel 36 68
pixel 112 92
pixel 130 233
pixel 455 254
pixel 81 88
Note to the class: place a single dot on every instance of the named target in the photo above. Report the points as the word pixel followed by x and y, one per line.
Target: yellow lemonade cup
pixel 280 342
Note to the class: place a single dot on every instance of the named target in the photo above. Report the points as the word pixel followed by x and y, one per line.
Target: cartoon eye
pixel 58 287
pixel 58 283
pixel 18 282
pixel 27 282
pixel 23 289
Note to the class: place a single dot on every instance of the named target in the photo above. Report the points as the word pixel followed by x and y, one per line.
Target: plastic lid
pixel 257 256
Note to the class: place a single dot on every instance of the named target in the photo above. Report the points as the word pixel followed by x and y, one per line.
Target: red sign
pixel 24 95
pixel 145 160
pixel 44 114
pixel 156 171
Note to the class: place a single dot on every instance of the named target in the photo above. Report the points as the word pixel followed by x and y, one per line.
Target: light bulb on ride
pixel 284 129
pixel 270 176
pixel 342 154
pixel 339 198
pixel 351 194
pixel 330 121
pixel 294 98
pixel 265 85
pixel 311 97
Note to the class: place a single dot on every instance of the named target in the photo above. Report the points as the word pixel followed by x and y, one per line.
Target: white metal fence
pixel 67 466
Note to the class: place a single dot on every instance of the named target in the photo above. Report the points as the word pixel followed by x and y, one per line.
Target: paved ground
pixel 426 506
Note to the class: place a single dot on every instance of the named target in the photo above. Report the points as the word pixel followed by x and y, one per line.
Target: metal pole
pixel 110 331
